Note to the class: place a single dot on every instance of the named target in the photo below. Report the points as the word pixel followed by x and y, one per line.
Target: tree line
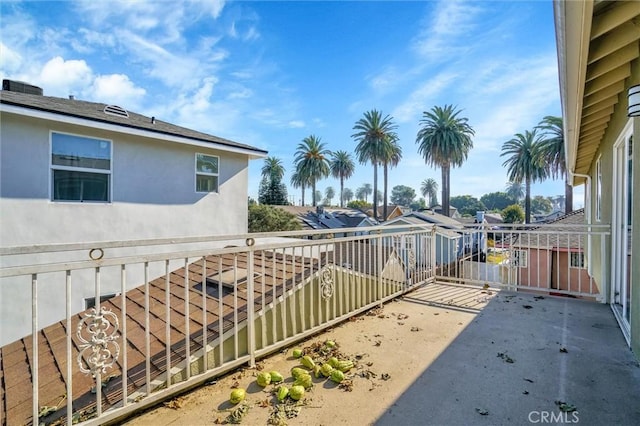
pixel 444 140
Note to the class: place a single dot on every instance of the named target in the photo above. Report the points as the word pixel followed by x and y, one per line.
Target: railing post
pixel 604 295
pixel 432 255
pixel 34 346
pixel 380 265
pixel 251 329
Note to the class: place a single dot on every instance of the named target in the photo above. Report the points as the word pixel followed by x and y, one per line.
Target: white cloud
pixel 440 36
pixel 420 99
pixel 61 78
pixel 117 89
pixel 10 60
pixel 241 93
pixel 296 124
pixel 519 98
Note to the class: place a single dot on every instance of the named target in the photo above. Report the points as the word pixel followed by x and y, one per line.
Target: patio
pixel 454 367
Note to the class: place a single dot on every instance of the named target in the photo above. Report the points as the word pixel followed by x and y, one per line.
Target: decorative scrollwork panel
pixel 98 335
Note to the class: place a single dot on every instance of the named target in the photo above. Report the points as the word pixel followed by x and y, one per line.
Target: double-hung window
pixel 207 173
pixel 80 168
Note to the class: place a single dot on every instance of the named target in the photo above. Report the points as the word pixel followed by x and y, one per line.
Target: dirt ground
pixel 392 346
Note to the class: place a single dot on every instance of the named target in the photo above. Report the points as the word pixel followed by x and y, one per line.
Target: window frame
pixel 520 254
pixel 579 255
pixel 200 173
pixel 54 167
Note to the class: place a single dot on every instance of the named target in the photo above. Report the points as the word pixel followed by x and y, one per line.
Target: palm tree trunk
pixel 341 192
pixel 384 210
pixel 375 191
pixel 568 197
pixel 313 195
pixel 527 201
pixel 445 190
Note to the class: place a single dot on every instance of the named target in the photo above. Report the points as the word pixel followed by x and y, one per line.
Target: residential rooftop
pixel 94 112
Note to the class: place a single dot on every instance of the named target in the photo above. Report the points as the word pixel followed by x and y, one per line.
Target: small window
pixel 520 259
pixel 577 260
pixel 80 168
pixel 598 189
pixel 207 173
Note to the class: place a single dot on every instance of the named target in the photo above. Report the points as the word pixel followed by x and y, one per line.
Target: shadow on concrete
pixel 515 365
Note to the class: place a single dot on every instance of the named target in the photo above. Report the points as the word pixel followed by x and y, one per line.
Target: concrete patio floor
pixel 470 383
pixel 457 356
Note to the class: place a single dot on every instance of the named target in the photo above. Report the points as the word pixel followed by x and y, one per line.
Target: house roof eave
pixel 220 144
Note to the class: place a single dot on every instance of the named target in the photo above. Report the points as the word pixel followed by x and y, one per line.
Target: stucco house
pixel 76 171
pixel 554 256
pixel 598 46
pixel 448 235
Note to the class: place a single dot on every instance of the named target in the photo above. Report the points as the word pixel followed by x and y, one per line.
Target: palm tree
pixel 329 193
pixel 373 134
pixel 391 157
pixel 444 140
pixel 347 195
pixel 342 167
pixel 312 160
pixel 273 170
pixel 515 190
pixel 551 153
pixel 363 192
pixel 299 180
pixel 429 189
pixel 522 163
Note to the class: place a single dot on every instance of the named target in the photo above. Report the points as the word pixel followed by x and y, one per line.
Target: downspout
pixel 587 211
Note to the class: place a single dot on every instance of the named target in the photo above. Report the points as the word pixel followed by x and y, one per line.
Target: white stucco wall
pixel 153 190
pixel 153 196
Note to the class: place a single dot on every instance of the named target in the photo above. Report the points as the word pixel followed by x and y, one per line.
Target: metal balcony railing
pixel 95 331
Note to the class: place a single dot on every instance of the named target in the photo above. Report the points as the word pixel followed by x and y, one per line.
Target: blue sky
pixel 269 73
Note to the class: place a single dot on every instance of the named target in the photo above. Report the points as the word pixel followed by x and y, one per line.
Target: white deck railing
pixel 172 313
pixel 555 258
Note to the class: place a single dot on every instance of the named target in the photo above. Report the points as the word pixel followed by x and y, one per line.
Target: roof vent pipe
pixel 71 97
pixel 153 120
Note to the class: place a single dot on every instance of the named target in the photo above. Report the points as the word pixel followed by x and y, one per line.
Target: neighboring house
pixel 554 256
pixel 548 218
pixel 393 211
pixel 453 210
pixel 76 171
pixel 313 218
pixel 448 234
pixel 493 218
pixel 599 63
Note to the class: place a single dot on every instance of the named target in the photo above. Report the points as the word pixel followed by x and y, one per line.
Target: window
pixel 520 258
pixel 207 173
pixel 80 168
pixel 577 260
pixel 598 189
